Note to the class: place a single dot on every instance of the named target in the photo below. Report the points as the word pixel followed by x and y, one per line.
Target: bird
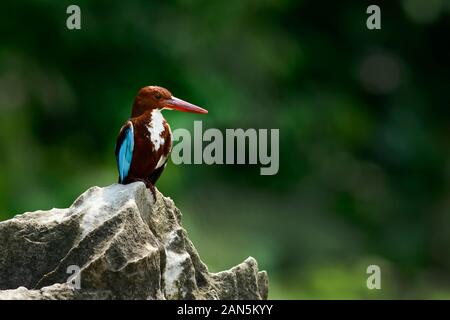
pixel 144 142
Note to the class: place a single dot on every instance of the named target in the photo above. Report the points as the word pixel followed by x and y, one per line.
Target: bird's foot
pixel 148 185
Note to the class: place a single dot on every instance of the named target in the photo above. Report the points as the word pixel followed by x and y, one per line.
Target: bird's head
pixel 153 97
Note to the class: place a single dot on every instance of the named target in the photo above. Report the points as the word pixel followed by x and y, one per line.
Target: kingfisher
pixel 145 140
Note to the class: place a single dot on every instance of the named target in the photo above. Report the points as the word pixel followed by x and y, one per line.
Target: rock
pixel 114 243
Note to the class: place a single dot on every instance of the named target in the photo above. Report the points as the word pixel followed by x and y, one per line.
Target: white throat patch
pixel 155 128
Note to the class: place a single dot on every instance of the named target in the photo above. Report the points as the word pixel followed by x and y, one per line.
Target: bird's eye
pixel 158 95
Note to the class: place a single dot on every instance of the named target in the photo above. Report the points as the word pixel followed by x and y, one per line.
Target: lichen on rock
pixel 124 245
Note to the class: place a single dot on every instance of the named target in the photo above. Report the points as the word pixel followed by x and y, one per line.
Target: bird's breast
pixel 153 142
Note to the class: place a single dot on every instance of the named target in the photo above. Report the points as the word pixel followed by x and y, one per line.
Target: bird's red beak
pixel 181 105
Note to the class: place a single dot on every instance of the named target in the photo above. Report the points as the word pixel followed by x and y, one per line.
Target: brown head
pixel 153 97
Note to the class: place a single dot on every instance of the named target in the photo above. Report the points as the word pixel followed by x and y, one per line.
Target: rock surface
pixel 114 243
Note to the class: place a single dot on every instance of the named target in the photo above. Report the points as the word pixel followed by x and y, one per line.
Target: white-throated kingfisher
pixel 145 140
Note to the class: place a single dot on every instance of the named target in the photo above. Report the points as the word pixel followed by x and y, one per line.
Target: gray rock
pixel 114 243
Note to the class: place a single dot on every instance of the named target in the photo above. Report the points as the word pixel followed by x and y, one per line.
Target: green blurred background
pixel 363 116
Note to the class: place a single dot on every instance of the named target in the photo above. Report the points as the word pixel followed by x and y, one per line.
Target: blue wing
pixel 124 150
